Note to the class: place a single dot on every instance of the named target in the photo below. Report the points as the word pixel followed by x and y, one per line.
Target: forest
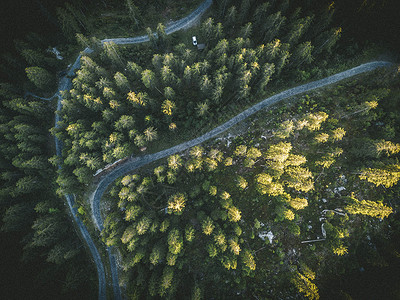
pixel 299 200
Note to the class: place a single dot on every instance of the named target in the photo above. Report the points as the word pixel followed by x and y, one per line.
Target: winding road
pixel 133 163
pixel 65 83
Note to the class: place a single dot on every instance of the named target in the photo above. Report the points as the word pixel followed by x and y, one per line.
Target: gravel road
pixel 65 83
pixel 136 162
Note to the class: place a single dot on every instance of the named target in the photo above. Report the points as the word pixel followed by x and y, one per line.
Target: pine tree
pixel 134 12
pixel 175 241
pixel 298 203
pixel 161 35
pixel 321 138
pixel 248 260
pixel 196 151
pixel 176 203
pixel 207 226
pixel 246 30
pixel 241 183
pixel 285 129
pixel 234 246
pixel 143 225
pixel 121 81
pixel 166 280
pixel 369 208
pixel 305 286
pixel 150 134
pixel 299 178
pixel 234 214
pixel 303 54
pixel 338 134
pixel 111 51
pixel 174 162
pixel 40 77
pixel 387 147
pixel 167 107
pixel 156 255
pixel 69 25
pixel 387 176
pixel 273 23
pixel 149 79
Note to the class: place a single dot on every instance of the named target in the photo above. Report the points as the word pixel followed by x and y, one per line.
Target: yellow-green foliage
pixel 387 176
pixel 369 208
pixel 305 286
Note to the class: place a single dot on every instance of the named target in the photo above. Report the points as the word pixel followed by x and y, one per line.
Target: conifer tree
pixel 369 208
pixel 306 286
pixel 40 77
pixel 387 176
pixel 387 147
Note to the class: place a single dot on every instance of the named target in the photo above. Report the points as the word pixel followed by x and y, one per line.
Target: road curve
pixel 65 83
pixel 136 162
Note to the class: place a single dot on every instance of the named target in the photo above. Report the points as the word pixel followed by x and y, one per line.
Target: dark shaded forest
pixel 363 22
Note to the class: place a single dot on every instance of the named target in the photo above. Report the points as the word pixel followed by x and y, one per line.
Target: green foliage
pixel 40 77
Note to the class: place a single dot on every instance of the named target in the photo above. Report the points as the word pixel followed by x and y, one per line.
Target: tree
pixel 298 203
pixel 338 134
pixel 149 79
pixel 241 150
pixel 125 122
pixel 135 69
pixel 111 51
pixel 207 225
pixel 161 35
pixel 298 29
pixel 386 176
pixel 248 260
pixel 137 99
pixel 134 12
pixel 246 30
pixel 283 58
pixel 175 241
pixel 369 208
pixel 166 280
pixel 156 254
pixel 234 214
pixel 40 77
pixel 278 152
pixel 174 162
pixel 197 151
pixel 387 147
pixel 266 73
pixel 143 225
pixel 176 203
pixel 241 182
pixel 299 178
pixel 167 107
pixel 121 81
pixel 272 49
pixel 325 161
pixel 303 54
pixel 314 121
pixel 234 246
pixel 305 286
pixel 285 129
pixel 150 134
pixel 321 137
pixel 69 25
pixel 273 23
pixel 231 16
pixel 189 233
